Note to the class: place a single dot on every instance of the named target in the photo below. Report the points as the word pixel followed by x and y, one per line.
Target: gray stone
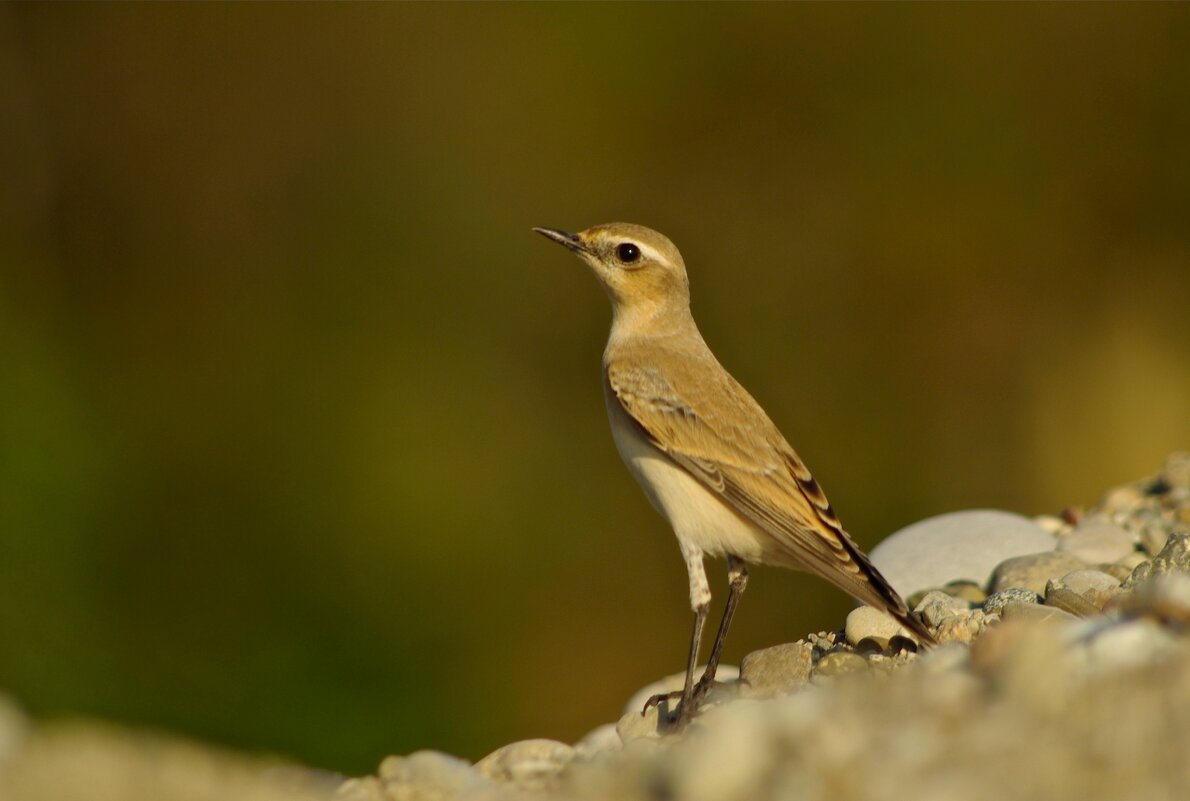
pixel 1094 585
pixel 599 740
pixel 1128 645
pixel 1097 539
pixel 1174 558
pixel 1064 598
pixel 1165 598
pixel 1033 571
pixel 1154 533
pixel 428 776
pixel 1013 595
pixel 868 623
pixel 1034 613
pixel 937 606
pixel 1130 562
pixel 1122 500
pixel 640 724
pixel 776 670
pixel 1085 579
pixel 966 590
pixel 529 764
pixel 840 663
pixel 960 545
pixel 365 788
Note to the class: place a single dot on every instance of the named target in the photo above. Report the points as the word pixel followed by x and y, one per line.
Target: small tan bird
pixel 704 452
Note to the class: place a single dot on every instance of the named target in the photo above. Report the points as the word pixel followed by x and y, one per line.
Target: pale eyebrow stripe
pixel 649 252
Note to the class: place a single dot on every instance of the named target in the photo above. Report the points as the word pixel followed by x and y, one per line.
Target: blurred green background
pixel 302 443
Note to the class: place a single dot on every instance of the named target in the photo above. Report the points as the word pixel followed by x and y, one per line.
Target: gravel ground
pixel 1064 672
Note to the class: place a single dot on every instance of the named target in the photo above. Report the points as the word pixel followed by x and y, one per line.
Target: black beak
pixel 564 238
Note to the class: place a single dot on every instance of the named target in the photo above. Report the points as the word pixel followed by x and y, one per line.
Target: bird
pixel 704 452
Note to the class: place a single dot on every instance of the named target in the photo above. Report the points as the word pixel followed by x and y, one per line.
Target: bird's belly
pixel 697 515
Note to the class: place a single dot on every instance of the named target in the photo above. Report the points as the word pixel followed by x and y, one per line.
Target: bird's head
pixel 642 271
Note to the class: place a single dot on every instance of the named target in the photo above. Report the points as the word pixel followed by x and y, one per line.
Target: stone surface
pixel 966 590
pixel 1013 595
pixel 1174 558
pixel 1094 585
pixel 779 669
pixel 1068 600
pixel 1034 613
pixel 1128 645
pixel 428 776
pixel 597 741
pixel 937 606
pixel 639 724
pixel 1032 571
pixel 840 663
pixel 960 545
pixel 1165 598
pixel 1096 539
pixel 1087 579
pixel 530 764
pixel 866 622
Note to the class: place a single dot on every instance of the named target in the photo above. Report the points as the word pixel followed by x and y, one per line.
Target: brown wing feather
pixel 723 438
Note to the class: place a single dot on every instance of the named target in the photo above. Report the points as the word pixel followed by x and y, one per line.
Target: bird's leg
pixel 737 576
pixel 700 602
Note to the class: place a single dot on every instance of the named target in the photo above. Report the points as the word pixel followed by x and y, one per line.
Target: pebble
pixel 1035 613
pixel 1128 644
pixel 840 663
pixel 1132 561
pixel 1122 500
pixel 964 627
pixel 365 788
pixel 959 545
pixel 599 740
pixel 868 623
pixel 1052 524
pixel 1013 595
pixel 1061 597
pixel 966 590
pixel 1094 585
pixel 777 670
pixel 1097 539
pixel 637 725
pixel 428 775
pixel 1165 598
pixel 937 606
pixel 1119 571
pixel 1153 536
pixel 529 764
pixel 1032 571
pixel 1174 557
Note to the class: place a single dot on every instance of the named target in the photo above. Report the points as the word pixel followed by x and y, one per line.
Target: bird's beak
pixel 564 238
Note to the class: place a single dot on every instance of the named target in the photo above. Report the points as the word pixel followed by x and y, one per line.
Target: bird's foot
pixel 676 719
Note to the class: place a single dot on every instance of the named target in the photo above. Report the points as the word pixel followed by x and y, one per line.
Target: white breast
pixel 696 514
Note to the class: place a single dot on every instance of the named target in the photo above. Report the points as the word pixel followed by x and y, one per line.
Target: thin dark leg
pixel 737 575
pixel 700 620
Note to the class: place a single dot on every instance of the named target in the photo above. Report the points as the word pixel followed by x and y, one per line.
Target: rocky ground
pixel 1064 672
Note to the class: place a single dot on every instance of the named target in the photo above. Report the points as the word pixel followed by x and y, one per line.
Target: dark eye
pixel 627 252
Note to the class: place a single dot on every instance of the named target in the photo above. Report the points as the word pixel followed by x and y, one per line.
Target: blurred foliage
pixel 302 445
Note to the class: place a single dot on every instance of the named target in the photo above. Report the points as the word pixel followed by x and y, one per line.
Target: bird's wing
pixel 719 434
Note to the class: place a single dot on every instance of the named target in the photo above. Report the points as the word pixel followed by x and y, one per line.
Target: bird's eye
pixel 627 252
